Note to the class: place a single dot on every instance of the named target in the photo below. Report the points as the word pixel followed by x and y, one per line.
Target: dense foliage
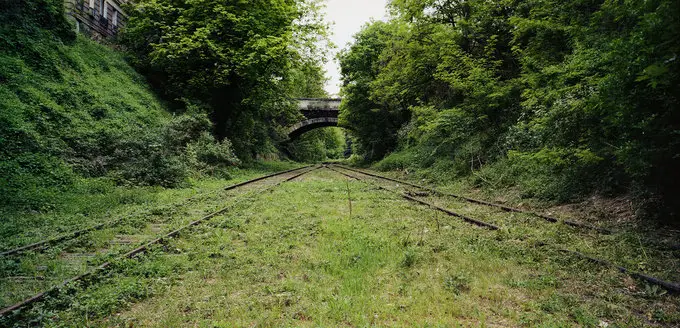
pixel 563 98
pixel 318 145
pixel 72 109
pixel 243 60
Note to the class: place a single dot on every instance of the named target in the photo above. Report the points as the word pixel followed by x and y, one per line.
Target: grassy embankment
pixel 82 136
pixel 75 118
pixel 297 257
pixel 66 108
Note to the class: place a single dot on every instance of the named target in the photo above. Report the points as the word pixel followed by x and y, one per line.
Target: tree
pixel 374 122
pixel 241 59
pixel 572 97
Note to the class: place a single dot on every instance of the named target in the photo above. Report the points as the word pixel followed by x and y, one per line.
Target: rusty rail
pixel 485 203
pixel 671 287
pixel 139 250
pixel 75 234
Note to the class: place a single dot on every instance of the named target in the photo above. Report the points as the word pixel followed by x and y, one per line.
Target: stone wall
pixel 100 19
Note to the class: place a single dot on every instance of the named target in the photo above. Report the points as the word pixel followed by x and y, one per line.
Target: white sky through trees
pixel 346 18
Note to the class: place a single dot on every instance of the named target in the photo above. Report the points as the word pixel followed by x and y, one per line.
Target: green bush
pixel 208 156
pixel 146 160
pixel 398 161
pixel 552 174
pixel 318 145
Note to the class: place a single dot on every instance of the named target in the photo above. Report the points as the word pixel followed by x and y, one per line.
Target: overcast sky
pixel 346 18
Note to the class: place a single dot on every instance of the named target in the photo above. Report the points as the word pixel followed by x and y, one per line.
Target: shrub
pixel 186 128
pixel 147 161
pixel 400 160
pixel 558 174
pixel 206 155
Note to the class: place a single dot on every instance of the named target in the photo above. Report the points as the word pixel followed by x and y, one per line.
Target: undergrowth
pixel 72 109
pixel 550 175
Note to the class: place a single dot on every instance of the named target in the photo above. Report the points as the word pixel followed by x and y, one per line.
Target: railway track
pixel 49 242
pixel 485 203
pixel 259 185
pixel 669 286
pixel 264 184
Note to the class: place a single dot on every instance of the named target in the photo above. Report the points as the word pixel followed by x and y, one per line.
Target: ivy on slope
pixel 71 108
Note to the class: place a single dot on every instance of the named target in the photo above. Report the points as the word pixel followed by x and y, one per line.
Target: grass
pixel 295 257
pixel 637 245
pixel 162 211
pixel 94 202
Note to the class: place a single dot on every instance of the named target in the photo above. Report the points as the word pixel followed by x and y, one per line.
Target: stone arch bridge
pixel 318 112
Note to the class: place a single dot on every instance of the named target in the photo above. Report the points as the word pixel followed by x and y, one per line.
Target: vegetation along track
pixel 60 263
pixel 536 236
pixel 481 202
pixel 49 242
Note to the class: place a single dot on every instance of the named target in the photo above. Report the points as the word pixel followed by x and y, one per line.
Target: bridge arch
pixel 310 124
pixel 318 113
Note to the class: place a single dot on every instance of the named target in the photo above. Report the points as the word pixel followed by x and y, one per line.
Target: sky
pixel 346 18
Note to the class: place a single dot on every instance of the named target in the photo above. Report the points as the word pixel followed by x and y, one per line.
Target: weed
pixel 457 284
pixel 654 291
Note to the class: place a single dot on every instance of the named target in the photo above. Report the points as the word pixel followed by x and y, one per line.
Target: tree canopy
pixel 242 60
pixel 561 97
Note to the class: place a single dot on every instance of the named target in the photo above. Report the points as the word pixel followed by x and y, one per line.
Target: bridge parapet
pixel 313 104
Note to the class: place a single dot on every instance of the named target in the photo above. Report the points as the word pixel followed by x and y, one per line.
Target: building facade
pixel 98 18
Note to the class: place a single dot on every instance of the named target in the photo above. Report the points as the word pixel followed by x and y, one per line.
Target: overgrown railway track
pixel 485 203
pixel 49 242
pixel 92 272
pixel 669 286
pixel 267 183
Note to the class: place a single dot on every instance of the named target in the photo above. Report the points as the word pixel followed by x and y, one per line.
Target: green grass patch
pixel 94 201
pixel 296 257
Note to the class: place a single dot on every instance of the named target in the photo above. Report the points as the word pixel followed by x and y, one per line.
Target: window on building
pixel 114 19
pixel 105 9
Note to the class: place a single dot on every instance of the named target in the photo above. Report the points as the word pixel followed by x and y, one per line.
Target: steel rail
pixel 481 202
pixel 441 209
pixel 137 251
pixel 669 286
pixel 264 177
pixel 78 233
